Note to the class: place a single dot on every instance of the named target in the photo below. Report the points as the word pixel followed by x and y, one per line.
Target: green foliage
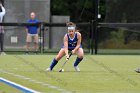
pixel 117 36
pixel 117 40
pixel 79 10
pixel 117 8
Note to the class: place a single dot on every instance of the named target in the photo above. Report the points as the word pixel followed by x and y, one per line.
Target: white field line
pixel 18 86
pixel 34 81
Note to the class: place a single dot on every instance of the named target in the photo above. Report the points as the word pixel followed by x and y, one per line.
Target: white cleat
pixel 77 68
pixel 138 70
pixel 3 53
pixel 48 69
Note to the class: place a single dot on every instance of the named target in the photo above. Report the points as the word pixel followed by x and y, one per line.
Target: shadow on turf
pixel 75 71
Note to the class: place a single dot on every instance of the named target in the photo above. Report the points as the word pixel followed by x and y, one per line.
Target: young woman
pixel 72 42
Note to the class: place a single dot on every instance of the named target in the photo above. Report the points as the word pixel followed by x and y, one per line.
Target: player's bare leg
pixel 36 47
pixel 60 54
pixel 28 41
pixel 27 47
pixel 36 43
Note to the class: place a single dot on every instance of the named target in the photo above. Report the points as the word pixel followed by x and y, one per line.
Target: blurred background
pixel 108 26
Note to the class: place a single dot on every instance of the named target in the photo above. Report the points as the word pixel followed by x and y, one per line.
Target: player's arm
pixel 78 43
pixel 38 29
pixel 2 13
pixel 26 29
pixel 66 46
pixel 3 10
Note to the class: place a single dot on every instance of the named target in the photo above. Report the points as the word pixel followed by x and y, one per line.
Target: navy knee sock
pixel 78 60
pixel 54 62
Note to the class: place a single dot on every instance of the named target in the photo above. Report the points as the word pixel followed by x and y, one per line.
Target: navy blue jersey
pixel 72 43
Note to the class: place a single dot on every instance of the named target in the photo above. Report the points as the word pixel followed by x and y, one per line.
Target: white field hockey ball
pixel 62 70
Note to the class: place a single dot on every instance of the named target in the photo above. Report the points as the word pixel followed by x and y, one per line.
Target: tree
pixel 79 10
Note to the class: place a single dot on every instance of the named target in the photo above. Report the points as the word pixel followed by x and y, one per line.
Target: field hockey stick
pixel 65 62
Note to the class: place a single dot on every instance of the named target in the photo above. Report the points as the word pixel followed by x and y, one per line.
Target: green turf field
pixel 99 74
pixel 7 89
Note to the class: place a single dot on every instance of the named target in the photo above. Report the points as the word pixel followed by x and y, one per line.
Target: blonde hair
pixel 71 24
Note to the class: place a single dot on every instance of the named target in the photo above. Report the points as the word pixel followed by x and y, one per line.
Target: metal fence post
pixel 96 25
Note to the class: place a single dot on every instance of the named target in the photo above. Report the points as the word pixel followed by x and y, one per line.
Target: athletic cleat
pixel 26 53
pixel 48 69
pixel 2 53
pixel 77 68
pixel 36 52
pixel 138 70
